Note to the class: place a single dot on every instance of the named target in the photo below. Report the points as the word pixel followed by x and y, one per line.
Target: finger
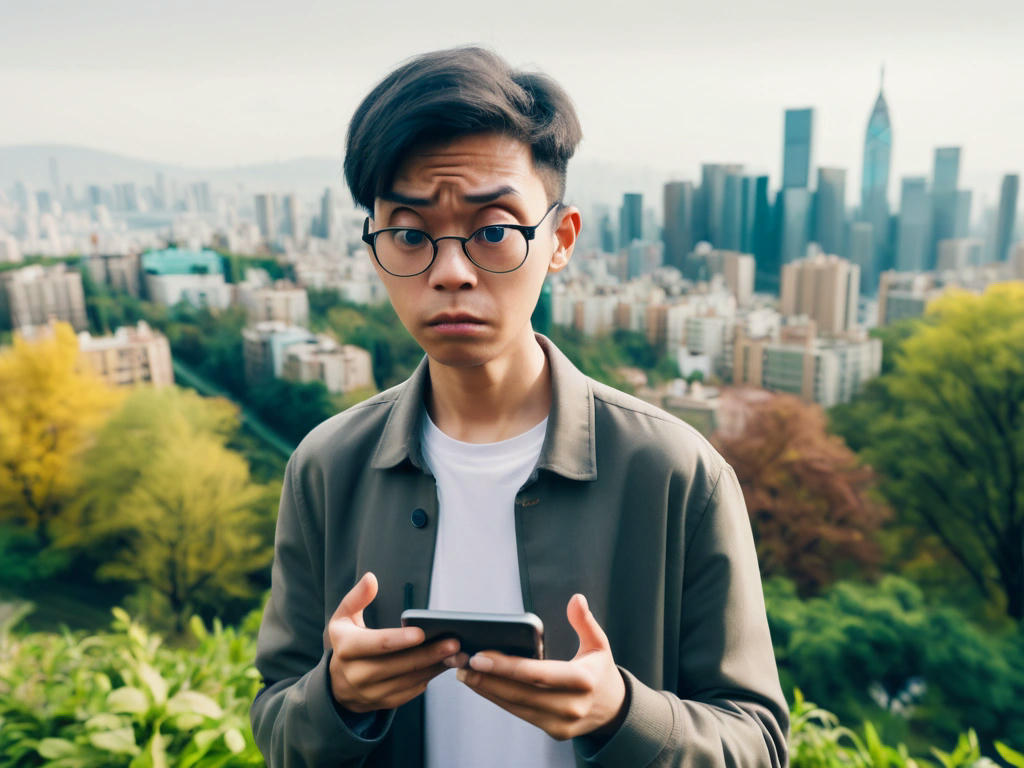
pixel 557 726
pixel 405 687
pixel 351 642
pixel 360 596
pixel 547 673
pixel 592 637
pixel 369 670
pixel 551 701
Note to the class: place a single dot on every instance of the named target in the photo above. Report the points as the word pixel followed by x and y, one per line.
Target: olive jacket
pixel 627 505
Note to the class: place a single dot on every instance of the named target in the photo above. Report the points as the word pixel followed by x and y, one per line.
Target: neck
pixel 495 401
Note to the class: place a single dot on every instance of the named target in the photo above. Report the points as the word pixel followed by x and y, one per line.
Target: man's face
pixel 462 315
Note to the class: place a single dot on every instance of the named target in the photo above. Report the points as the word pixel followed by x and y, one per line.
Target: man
pixel 499 478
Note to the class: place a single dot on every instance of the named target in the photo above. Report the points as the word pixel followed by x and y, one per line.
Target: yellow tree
pixel 50 408
pixel 174 506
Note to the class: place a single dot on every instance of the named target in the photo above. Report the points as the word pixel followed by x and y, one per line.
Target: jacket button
pixel 419 518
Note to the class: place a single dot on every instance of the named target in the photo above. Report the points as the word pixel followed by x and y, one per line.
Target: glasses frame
pixel 528 232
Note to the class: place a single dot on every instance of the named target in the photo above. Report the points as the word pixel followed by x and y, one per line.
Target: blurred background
pixel 802 233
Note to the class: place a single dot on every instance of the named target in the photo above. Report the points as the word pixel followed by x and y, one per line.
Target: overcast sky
pixel 666 85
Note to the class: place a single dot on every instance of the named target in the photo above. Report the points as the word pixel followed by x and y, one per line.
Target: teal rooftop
pixel 179 261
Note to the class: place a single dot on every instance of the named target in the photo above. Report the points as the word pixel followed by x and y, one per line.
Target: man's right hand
pixel 380 668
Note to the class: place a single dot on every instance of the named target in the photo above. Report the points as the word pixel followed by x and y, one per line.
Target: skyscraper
pixel 266 216
pixel 945 178
pixel 291 215
pixel 732 212
pixel 914 225
pixel 860 250
pixel 794 223
pixel 678 230
pixel 710 206
pixel 830 210
pixel 874 187
pixel 631 218
pixel 1006 215
pixel 797 146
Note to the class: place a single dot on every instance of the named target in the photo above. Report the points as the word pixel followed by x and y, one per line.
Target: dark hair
pixel 443 95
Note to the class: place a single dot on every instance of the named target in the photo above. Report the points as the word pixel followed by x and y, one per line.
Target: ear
pixel 566 231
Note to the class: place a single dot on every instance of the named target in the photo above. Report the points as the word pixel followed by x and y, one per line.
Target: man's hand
pixel 564 698
pixel 380 668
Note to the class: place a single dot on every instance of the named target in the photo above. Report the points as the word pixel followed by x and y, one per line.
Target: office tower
pixel 757 227
pixel 830 210
pixel 914 225
pixel 794 205
pixel 631 219
pixel 874 189
pixel 860 250
pixel 44 200
pixel 54 178
pixel 825 289
pixel 201 194
pixel 710 207
pixel 945 178
pixel 1006 215
pixel 796 153
pixel 266 217
pixel 291 216
pixel 608 237
pixel 327 225
pixel 678 229
pixel 962 213
pixel 732 212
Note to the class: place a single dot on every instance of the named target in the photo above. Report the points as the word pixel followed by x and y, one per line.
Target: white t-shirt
pixel 476 568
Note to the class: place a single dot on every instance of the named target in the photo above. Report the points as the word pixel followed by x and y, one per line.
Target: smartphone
pixel 514 634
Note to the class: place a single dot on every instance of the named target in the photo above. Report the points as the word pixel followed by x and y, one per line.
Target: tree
pixel 808 497
pixel 175 508
pixel 50 408
pixel 946 434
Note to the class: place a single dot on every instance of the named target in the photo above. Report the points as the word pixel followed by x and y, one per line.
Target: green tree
pixel 945 431
pixel 176 509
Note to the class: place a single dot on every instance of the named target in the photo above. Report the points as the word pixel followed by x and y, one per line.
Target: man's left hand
pixel 564 698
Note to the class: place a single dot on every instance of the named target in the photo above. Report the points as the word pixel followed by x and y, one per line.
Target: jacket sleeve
pixel 728 708
pixel 294 719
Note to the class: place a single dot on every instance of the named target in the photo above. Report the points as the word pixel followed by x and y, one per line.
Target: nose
pixel 452 270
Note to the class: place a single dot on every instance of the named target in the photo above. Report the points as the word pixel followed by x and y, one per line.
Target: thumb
pixel 592 637
pixel 361 595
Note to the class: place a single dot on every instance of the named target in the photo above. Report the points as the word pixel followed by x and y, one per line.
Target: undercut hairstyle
pixel 441 96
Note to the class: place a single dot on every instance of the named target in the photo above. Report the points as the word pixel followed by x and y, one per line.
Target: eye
pixel 491 235
pixel 410 237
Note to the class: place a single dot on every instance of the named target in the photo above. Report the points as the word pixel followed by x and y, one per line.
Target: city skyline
pixel 247 84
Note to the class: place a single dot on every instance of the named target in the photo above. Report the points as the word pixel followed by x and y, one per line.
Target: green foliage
pixel 881 653
pixel 291 408
pixel 944 429
pixel 125 699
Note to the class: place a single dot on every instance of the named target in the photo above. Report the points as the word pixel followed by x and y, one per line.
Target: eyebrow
pixel 483 197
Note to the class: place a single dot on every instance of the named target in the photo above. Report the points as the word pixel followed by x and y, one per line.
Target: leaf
pixel 105 721
pixel 189 702
pixel 235 740
pixel 128 699
pixel 154 681
pixel 120 741
pixel 1012 756
pixel 51 749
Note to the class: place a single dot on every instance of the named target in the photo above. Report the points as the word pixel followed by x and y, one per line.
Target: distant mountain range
pixel 589 182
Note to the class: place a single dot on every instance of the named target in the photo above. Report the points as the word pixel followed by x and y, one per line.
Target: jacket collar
pixel 569 446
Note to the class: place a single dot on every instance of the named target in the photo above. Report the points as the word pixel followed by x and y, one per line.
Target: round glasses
pixel 406 252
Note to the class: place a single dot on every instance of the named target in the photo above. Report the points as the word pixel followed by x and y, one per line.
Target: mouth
pixel 456 318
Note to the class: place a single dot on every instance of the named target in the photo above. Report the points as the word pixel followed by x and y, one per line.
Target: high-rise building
pixel 33 295
pixel 823 288
pixel 830 210
pixel 133 355
pixel 291 216
pixel 1006 216
pixel 860 250
pixel 797 148
pixel 758 238
pixel 710 203
pixel 631 219
pixel 914 225
pixel 946 204
pixel 678 229
pixel 732 212
pixel 794 204
pixel 327 220
pixel 266 217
